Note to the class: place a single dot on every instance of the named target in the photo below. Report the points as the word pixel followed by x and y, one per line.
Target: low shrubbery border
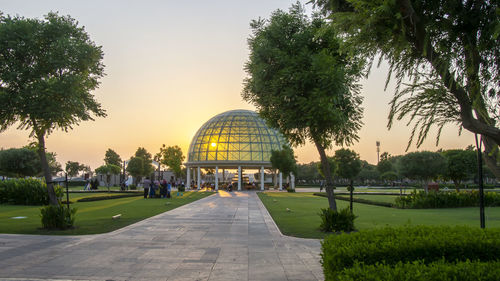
pixel 108 197
pixel 408 244
pixel 358 200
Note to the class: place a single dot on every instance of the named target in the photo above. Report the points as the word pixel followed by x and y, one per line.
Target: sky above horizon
pixel 172 65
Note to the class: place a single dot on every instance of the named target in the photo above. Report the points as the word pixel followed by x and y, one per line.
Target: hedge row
pixel 423 200
pixel 390 246
pixel 418 270
pixel 358 200
pixel 25 192
pixel 108 197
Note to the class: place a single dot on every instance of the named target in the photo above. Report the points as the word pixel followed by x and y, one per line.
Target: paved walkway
pixel 227 236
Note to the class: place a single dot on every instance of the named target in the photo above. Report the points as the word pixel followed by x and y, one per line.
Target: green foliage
pixel 108 197
pixel 308 172
pixel 108 169
pixel 132 187
pixel 57 217
pixel 384 166
pixel 333 221
pixel 181 188
pixel 358 200
pixel 284 160
pixel 444 55
pixel 73 168
pixel 25 192
pixel 172 157
pixel 389 176
pixel 392 246
pixel 423 200
pixel 300 82
pixel 135 167
pixel 461 165
pixel 348 163
pixel 332 164
pixel 19 162
pixel 289 189
pixel 420 271
pixel 422 165
pixel 112 158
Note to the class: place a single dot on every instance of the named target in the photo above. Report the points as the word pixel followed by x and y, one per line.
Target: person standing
pixel 145 184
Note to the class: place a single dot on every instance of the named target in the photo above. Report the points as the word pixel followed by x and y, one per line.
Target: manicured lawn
pixel 378 198
pixel 303 219
pixel 94 217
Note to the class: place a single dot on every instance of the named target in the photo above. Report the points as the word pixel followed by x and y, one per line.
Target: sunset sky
pixel 172 65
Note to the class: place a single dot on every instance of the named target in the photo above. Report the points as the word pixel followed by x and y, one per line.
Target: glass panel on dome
pixel 256 156
pixel 221 156
pixel 234 156
pixel 245 156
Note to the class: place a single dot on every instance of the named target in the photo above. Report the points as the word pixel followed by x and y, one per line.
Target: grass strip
pixel 107 197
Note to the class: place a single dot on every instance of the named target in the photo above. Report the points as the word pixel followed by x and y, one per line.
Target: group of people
pixel 91 184
pixel 156 188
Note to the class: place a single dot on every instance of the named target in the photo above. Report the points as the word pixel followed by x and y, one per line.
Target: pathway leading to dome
pixel 227 236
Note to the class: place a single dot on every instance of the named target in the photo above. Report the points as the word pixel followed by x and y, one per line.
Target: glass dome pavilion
pixel 234 139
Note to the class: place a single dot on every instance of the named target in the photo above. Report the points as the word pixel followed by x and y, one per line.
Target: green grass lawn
pixel 378 198
pixel 93 217
pixel 303 219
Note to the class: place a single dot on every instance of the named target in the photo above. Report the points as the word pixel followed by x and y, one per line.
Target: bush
pixel 418 270
pixel 357 200
pixel 57 217
pixel 26 192
pixel 333 221
pixel 132 187
pixel 108 197
pixel 408 244
pixel 432 199
pixel 289 189
pixel 181 188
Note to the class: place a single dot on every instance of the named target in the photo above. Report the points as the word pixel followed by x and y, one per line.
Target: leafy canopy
pixel 284 160
pixel 19 162
pixel 422 165
pixel 172 157
pixel 299 81
pixel 48 69
pixel 112 158
pixel 348 163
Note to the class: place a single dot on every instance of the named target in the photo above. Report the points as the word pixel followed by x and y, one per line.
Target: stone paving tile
pixel 230 237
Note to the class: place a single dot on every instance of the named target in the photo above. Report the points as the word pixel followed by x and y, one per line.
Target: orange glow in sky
pixel 172 65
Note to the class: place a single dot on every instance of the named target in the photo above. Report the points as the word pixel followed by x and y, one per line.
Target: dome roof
pixel 232 138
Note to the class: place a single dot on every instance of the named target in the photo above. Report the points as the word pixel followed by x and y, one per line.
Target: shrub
pixel 132 187
pixel 357 200
pixel 407 244
pixel 181 188
pixel 420 271
pixel 57 217
pixel 26 192
pixel 333 221
pixel 289 189
pixel 108 197
pixel 432 199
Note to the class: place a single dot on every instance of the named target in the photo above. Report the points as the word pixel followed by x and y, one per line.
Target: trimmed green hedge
pixel 418 270
pixel 26 192
pixel 108 197
pixel 432 199
pixel 390 246
pixel 358 200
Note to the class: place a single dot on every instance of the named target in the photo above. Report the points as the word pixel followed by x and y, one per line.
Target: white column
pixel 262 178
pixel 188 178
pixel 216 178
pixel 281 181
pixel 292 181
pixel 239 178
pixel 198 178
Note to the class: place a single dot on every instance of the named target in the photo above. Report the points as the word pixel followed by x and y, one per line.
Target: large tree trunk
pixel 328 176
pixel 46 169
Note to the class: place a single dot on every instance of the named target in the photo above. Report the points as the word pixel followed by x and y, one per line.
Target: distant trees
pixel 73 168
pixel 19 162
pixel 112 158
pixel 172 157
pixel 140 164
pixel 460 165
pixel 284 160
pixel 108 170
pixel 423 166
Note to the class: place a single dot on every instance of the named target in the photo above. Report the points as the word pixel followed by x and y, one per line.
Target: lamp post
pixel 378 151
pixel 479 146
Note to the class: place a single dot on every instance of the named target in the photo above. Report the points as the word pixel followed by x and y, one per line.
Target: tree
pixel 461 165
pixel 348 167
pixel 19 162
pixel 108 170
pixel 368 172
pixel 48 69
pixel 447 50
pixel 331 165
pixel 73 168
pixel 284 160
pixel 422 165
pixel 172 157
pixel 308 172
pixel 384 166
pixel 135 168
pixel 112 158
pixel 302 84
